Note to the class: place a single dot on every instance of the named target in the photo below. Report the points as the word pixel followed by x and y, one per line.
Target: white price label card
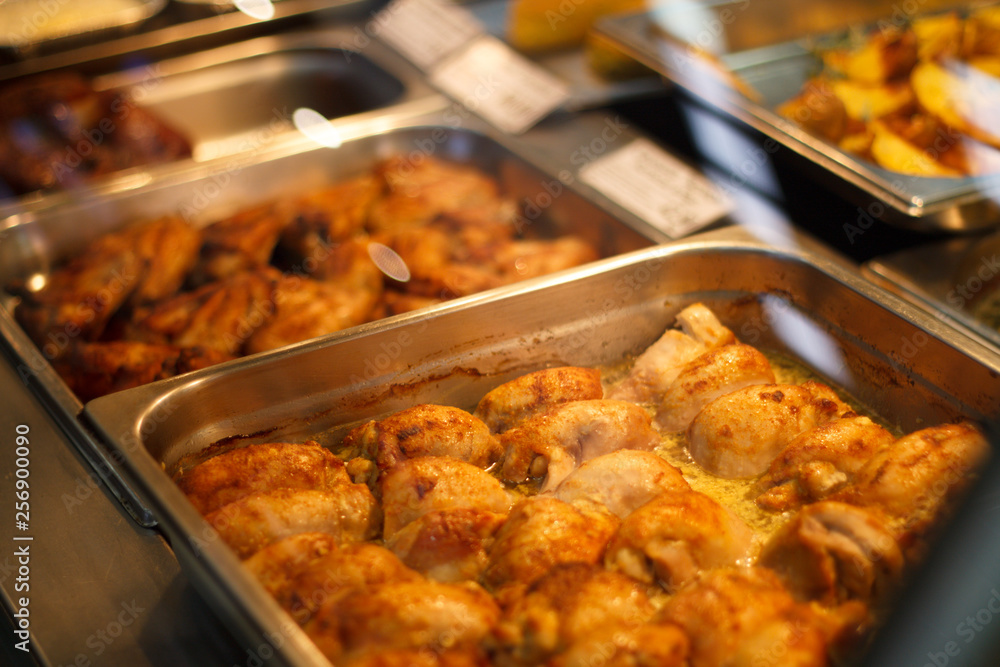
pixel 503 87
pixel 668 194
pixel 426 31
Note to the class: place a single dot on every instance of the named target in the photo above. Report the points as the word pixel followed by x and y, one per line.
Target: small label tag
pixel 426 31
pixel 657 187
pixel 503 87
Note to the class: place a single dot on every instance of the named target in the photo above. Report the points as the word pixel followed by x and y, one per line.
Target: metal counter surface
pixel 102 590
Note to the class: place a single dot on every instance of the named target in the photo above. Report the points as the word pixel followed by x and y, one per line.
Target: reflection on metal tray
pixel 790 301
pixel 774 58
pixel 30 23
pixel 957 280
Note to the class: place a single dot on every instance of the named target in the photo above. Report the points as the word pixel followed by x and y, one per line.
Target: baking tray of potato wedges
pixel 526 478
pixel 891 104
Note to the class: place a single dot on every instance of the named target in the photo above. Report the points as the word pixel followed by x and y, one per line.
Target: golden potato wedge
pixel 988 64
pixel 886 55
pixel 939 36
pixel 868 102
pixel 962 96
pixel 982 32
pixel 892 152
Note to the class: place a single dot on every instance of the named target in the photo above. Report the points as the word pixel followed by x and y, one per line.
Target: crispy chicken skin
pixel 743 617
pixel 96 369
pixel 448 545
pixel 572 603
pixel 236 473
pixel 740 433
pixel 918 479
pixel 242 242
pixel 710 375
pixel 425 430
pixel 554 442
pixel 676 535
pixel 531 393
pixel 279 565
pixel 659 365
pixel 346 511
pixel 432 483
pixel 651 644
pixel 137 265
pixel 347 263
pixel 542 532
pixel 305 308
pixel 220 315
pixel 426 657
pixel 450 616
pixel 820 461
pixel 622 481
pixel 831 552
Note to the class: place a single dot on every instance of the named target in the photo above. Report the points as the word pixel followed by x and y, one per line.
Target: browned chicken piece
pixel 448 545
pixel 305 309
pixel 419 191
pixel 279 565
pixel 622 481
pixel 743 617
pixel 427 657
pixel 404 615
pixel 918 479
pixel 128 268
pixel 91 370
pixel 531 393
pixel 554 442
pixel 425 430
pixel 418 486
pixel 242 242
pixel 349 264
pixel 572 603
pixel 395 302
pixel 818 110
pixel 673 537
pixel 831 552
pixel 347 511
pixel 819 462
pixel 220 315
pixel 740 433
pixel 542 532
pixel 523 259
pixel 720 371
pixel 236 473
pixel 659 365
pixel 303 581
pixel 652 645
pixel 329 216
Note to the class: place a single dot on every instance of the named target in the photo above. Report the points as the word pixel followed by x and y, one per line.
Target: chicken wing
pixel 673 537
pixel 820 461
pixel 659 365
pixel 305 309
pixel 418 486
pixel 96 369
pixel 348 264
pixel 518 260
pixel 448 545
pixel 425 430
pixel 740 433
pixel 622 481
pixel 531 393
pixel 554 442
pixel 710 375
pixel 744 617
pixel 571 604
pixel 220 315
pixel 918 479
pixel 347 511
pixel 128 268
pixel 542 532
pixel 236 473
pixel 404 615
pixel 831 552
pixel 242 242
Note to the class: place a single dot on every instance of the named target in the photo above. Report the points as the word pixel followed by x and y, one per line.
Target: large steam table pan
pixel 526 168
pixel 239 98
pixel 893 358
pixel 770 47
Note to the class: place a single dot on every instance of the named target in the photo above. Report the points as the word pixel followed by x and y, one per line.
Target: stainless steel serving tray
pixel 239 97
pixel 770 47
pixel 889 355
